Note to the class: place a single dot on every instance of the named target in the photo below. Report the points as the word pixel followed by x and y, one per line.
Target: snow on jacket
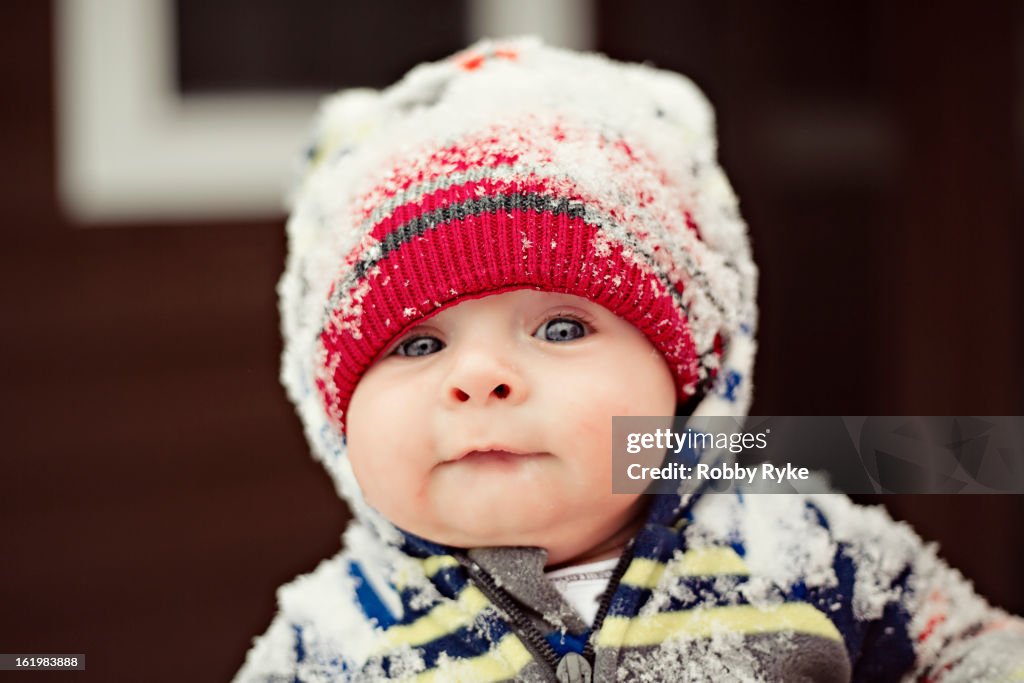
pixel 714 587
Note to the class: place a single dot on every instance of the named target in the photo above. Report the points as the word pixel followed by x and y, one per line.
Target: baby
pixel 489 260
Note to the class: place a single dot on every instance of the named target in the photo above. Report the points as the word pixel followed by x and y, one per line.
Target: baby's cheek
pixel 385 484
pixel 587 450
pixel 363 469
pixel 590 417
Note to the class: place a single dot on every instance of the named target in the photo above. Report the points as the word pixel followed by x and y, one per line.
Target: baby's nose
pixel 501 391
pixel 482 377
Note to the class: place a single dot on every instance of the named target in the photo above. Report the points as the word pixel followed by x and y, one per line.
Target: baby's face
pixel 537 374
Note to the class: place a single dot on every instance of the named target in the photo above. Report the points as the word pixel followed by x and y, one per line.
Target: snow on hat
pixel 512 165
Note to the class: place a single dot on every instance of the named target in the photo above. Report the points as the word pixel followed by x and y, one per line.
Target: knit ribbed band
pixel 473 219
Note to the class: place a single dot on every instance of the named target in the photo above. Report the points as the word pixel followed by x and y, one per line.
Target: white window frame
pixel 131 148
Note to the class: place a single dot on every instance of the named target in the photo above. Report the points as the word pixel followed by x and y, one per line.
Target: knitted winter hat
pixel 506 166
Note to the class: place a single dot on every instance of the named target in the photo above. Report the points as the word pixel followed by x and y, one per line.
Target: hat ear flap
pixel 344 120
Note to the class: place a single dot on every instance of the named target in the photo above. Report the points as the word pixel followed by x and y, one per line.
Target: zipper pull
pixel 573 668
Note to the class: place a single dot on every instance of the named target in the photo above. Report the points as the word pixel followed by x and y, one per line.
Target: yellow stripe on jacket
pixel 702 622
pixel 711 561
pixel 442 620
pixel 500 663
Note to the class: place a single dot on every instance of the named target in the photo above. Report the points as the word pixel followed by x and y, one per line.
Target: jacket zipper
pixel 606 601
pixel 521 624
pixel 531 637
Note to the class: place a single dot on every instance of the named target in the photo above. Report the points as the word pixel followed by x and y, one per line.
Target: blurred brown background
pixel 156 486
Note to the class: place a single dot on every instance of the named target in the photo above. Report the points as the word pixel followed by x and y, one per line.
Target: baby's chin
pixel 468 523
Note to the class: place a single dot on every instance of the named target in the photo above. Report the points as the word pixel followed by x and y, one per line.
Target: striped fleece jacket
pixel 722 587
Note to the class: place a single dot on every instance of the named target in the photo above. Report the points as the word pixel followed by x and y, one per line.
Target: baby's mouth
pixel 495 455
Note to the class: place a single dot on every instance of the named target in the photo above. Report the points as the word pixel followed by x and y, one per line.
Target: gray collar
pixel 520 572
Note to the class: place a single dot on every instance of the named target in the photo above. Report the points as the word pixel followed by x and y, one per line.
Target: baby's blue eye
pixel 561 329
pixel 419 346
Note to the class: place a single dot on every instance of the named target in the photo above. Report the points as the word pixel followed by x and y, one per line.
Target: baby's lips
pixel 495 457
pixel 494 450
